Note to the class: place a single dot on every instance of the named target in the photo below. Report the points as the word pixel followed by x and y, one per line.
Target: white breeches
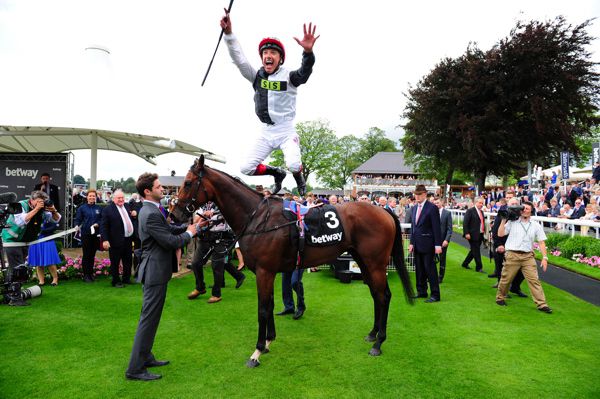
pixel 283 137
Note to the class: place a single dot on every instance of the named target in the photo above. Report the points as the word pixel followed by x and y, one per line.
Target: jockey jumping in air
pixel 275 89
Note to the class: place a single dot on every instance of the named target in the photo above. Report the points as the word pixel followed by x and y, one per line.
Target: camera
pixel 48 203
pixel 511 213
pixel 11 292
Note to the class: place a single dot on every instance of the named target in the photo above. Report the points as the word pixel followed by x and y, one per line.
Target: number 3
pixel 334 222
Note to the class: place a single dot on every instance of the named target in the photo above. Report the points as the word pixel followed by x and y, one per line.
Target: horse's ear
pixel 201 162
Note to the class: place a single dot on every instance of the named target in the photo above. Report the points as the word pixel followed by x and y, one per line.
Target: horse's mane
pixel 235 179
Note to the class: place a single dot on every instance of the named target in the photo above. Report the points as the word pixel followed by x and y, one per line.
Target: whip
pixel 219 42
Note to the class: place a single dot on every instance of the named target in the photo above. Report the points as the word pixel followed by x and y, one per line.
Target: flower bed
pixel 72 268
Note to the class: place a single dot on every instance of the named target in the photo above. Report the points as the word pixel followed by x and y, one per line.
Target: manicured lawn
pixel 75 340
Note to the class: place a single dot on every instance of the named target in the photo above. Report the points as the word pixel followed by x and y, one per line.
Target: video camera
pixel 13 278
pixel 511 213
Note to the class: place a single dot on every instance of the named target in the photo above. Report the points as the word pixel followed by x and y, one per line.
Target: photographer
pixel 521 233
pixel 25 227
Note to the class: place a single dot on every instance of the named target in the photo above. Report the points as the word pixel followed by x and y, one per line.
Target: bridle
pixel 192 204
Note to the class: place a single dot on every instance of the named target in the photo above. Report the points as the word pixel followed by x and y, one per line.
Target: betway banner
pixel 20 172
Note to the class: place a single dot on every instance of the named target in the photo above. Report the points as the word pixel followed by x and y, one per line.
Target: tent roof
pixel 60 139
pixel 385 162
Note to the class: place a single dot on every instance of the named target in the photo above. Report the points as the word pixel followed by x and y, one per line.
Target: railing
pixel 459 214
pixel 391 182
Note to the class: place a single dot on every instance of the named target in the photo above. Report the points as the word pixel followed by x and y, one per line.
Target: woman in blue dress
pixel 44 254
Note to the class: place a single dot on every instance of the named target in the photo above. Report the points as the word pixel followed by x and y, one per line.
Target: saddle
pixel 317 225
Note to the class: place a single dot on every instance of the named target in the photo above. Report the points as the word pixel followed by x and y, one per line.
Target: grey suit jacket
pixel 446 225
pixel 159 242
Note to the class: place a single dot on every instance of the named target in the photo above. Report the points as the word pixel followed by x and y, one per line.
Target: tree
pixel 344 160
pixel 528 98
pixel 316 142
pixel 78 179
pixel 374 141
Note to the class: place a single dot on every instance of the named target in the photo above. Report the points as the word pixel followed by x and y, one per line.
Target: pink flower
pixel 98 272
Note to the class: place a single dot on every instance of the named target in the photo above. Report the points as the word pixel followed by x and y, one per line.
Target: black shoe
pixel 118 285
pixel 432 300
pixel 145 376
pixel 88 279
pixel 545 309
pixel 285 311
pixel 519 293
pixel 298 314
pixel 493 275
pixel 419 296
pixel 128 281
pixel 279 175
pixel 501 302
pixel 300 183
pixel 156 363
pixel 465 266
pixel 240 281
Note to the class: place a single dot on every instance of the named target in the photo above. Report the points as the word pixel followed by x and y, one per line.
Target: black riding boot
pixel 279 174
pixel 300 183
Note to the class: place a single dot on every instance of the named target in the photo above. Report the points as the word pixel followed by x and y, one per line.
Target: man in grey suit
pixel 158 261
pixel 446 228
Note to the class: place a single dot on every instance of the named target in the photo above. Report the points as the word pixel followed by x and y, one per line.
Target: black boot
pixel 300 183
pixel 279 174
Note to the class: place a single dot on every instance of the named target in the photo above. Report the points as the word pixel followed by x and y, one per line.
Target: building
pixel 386 173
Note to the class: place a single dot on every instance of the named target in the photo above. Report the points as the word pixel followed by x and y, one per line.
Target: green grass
pixel 75 340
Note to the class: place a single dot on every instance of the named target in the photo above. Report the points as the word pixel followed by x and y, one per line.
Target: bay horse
pixel 372 235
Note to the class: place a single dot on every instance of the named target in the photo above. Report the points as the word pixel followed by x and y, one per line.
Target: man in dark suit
pixel 425 242
pixel 578 212
pixel 446 233
pixel 160 240
pixel 50 189
pixel 473 231
pixel 116 230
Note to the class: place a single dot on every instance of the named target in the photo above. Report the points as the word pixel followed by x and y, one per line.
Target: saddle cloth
pixel 321 225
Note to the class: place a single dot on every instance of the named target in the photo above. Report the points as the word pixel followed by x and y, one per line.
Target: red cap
pixel 274 43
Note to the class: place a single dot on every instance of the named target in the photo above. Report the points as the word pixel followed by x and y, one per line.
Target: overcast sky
pixel 368 55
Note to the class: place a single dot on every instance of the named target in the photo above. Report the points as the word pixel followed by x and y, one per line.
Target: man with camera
pixel 522 232
pixel 51 190
pixel 26 226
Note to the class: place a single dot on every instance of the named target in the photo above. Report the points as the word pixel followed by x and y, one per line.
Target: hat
pixel 420 189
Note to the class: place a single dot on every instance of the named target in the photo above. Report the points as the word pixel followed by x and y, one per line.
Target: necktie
pixel 163 211
pixel 418 213
pixel 126 221
pixel 482 227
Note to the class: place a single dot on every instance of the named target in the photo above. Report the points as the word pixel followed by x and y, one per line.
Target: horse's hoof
pixel 267 350
pixel 370 338
pixel 375 352
pixel 251 364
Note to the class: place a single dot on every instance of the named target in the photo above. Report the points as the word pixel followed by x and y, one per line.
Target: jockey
pixel 275 102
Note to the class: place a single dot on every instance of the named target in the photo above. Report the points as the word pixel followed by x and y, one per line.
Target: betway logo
pixel 327 238
pixel 18 172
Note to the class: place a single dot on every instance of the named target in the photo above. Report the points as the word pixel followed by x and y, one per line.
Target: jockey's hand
pixel 309 39
pixel 226 23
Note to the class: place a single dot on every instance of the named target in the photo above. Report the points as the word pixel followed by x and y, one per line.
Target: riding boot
pixel 300 183
pixel 279 174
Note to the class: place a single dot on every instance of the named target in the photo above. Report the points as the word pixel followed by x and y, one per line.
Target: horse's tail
pixel 398 257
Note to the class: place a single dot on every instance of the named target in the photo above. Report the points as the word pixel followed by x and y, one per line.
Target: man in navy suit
pixel 473 231
pixel 425 242
pixel 446 233
pixel 116 230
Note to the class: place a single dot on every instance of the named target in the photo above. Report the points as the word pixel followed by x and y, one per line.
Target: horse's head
pixel 192 192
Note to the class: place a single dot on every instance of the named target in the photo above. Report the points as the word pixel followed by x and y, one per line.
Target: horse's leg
pixel 264 283
pixel 372 336
pixel 270 325
pixel 382 296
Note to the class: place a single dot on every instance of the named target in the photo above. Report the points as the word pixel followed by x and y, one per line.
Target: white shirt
pixel 521 235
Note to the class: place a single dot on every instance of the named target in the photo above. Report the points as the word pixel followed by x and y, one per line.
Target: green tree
pixel 374 141
pixel 316 142
pixel 78 179
pixel 528 98
pixel 344 160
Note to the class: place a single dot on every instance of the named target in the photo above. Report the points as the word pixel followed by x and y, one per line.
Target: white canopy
pixel 61 139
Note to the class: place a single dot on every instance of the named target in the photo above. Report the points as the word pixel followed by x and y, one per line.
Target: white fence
pixel 568 225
